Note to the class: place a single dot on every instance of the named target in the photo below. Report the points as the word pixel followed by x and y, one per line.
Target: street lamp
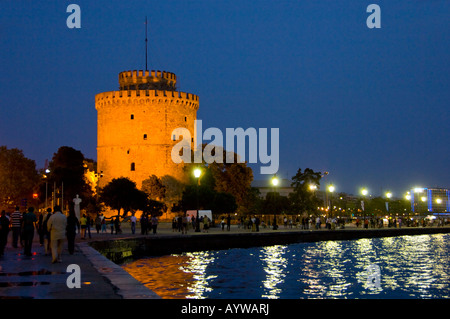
pixel 388 196
pixel 331 190
pixel 275 181
pixel 197 174
pixel 47 171
pixel 364 192
pixel 438 201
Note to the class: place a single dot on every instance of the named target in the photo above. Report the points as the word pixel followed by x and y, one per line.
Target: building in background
pixel 435 201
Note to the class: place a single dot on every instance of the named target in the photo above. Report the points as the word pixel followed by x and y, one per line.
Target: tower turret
pixel 147 80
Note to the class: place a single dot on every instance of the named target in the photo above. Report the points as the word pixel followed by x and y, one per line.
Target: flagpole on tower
pixel 146 44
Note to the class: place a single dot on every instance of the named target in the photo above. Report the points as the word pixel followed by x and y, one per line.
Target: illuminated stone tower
pixel 135 125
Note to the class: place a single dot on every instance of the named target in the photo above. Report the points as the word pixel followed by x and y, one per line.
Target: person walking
pixel 205 224
pixel 98 223
pixel 318 222
pixel 103 223
pixel 4 231
pixel 72 225
pixel 46 232
pixel 133 221
pixel 83 225
pixel 88 225
pixel 16 222
pixel 154 222
pixel 228 222
pixel 29 224
pixel 184 223
pixel 40 229
pixel 57 225
pixel 117 225
pixel 144 223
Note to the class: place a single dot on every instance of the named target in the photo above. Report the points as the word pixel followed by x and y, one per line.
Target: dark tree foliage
pixel 303 199
pixel 18 177
pixel 67 169
pixel 122 194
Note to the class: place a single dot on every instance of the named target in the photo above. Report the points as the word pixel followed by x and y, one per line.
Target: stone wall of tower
pixel 134 133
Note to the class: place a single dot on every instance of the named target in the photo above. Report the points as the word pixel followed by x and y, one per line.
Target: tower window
pixel 185 119
pixel 145 136
pixel 133 167
pixel 132 116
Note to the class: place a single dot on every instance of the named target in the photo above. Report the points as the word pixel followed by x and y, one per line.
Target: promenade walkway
pixel 36 277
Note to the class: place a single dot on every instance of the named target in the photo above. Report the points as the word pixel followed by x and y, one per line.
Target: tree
pixel 303 199
pixel 173 192
pixel 253 203
pixel 233 178
pixel 18 177
pixel 154 207
pixel 275 204
pixel 121 193
pixel 154 188
pixel 224 203
pixel 197 196
pixel 67 169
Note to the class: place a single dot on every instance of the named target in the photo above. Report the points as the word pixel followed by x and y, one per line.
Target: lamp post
pixel 388 197
pixel 364 192
pixel 47 171
pixel 275 181
pixel 197 174
pixel 438 201
pixel 331 190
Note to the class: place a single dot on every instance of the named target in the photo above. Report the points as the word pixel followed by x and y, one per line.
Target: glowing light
pixel 364 192
pixel 275 181
pixel 331 188
pixel 197 172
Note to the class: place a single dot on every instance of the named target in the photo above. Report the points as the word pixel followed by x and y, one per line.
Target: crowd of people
pixel 183 222
pixel 53 228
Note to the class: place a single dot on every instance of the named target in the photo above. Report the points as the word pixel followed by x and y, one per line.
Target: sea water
pixel 389 267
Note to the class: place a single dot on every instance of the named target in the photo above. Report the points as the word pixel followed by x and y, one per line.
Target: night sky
pixel 370 106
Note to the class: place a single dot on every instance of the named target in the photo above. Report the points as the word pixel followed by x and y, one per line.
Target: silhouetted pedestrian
pixel 117 225
pixel 72 226
pixel 4 231
pixel 133 221
pixel 46 232
pixel 144 224
pixel 154 222
pixel 57 225
pixel 29 224
pixel 16 222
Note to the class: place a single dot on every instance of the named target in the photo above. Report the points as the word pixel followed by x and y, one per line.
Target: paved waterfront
pixel 36 277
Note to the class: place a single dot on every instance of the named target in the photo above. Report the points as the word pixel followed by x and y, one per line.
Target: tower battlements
pixel 145 79
pixel 146 96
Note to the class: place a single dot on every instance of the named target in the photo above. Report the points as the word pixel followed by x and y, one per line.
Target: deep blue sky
pixel 371 106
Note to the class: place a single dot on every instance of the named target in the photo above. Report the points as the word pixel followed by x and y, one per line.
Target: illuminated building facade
pixel 430 200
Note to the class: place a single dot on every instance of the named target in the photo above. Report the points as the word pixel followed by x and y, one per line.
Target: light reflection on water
pixel 410 267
